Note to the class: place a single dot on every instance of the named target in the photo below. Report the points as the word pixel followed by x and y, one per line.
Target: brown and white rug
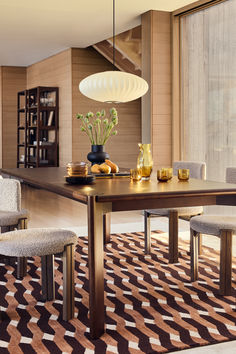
pixel 151 306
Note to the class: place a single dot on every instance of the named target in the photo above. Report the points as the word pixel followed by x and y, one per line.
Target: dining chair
pixel 46 242
pixel 11 214
pixel 222 226
pixel 196 170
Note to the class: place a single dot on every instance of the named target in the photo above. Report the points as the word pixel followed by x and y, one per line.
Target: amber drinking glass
pixel 183 174
pixel 135 174
pixel 164 174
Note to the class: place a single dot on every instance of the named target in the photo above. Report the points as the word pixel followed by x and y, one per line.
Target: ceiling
pixel 31 30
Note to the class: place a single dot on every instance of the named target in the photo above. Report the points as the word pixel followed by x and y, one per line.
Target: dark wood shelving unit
pixel 37 127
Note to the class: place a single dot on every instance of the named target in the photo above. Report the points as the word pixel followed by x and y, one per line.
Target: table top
pixel 116 189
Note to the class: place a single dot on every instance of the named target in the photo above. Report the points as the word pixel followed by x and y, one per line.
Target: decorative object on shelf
pixel 99 129
pixel 183 174
pixel 145 161
pixel 164 174
pixel 113 86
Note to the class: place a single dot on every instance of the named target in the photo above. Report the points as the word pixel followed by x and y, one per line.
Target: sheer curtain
pixel 208 88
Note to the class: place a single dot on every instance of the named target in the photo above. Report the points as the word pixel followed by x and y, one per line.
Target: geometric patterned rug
pixel 151 305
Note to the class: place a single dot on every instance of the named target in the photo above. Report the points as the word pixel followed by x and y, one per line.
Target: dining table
pixel 107 195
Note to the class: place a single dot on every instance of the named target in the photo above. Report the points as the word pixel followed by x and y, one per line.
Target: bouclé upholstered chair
pixel 11 214
pixel 221 226
pixel 196 170
pixel 45 243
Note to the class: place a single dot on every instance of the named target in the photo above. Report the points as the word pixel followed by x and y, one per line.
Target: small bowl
pixel 77 169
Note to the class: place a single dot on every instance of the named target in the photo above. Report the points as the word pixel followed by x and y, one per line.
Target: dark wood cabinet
pixel 37 127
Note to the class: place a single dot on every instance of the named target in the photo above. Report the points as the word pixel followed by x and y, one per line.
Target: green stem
pixel 107 134
pixel 99 134
pixel 88 132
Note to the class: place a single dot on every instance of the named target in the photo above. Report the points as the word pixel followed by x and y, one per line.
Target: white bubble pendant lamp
pixel 113 86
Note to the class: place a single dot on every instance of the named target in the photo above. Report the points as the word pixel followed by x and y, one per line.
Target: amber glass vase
pixel 145 161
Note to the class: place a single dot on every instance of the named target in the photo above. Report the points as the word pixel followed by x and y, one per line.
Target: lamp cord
pixel 114 33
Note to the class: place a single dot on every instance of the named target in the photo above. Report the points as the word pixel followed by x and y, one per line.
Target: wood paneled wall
pixel 1 117
pixel 65 70
pixel 156 64
pixel 13 79
pixel 123 148
pixel 56 71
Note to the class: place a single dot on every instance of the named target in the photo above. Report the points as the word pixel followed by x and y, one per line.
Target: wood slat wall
pixel 156 64
pixel 56 71
pixel 13 79
pixel 123 148
pixel 1 116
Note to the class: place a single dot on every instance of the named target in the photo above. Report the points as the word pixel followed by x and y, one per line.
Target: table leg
pixel 96 268
pixel 106 227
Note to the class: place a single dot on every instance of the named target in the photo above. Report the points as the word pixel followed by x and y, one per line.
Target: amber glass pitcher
pixel 145 161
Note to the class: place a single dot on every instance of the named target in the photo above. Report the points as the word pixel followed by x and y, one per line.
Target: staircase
pixel 127 50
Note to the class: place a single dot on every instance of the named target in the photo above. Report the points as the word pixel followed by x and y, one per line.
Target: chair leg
pixel 194 242
pixel 147 232
pixel 48 285
pixel 21 267
pixel 68 283
pixel 225 262
pixel 199 244
pixel 173 236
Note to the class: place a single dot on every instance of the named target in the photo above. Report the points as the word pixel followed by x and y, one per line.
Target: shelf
pixel 47 108
pixel 38 123
pixel 43 146
pixel 47 127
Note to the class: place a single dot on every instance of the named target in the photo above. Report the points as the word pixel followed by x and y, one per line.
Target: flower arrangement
pixel 99 128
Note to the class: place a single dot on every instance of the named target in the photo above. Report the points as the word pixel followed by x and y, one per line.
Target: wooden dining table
pixel 107 195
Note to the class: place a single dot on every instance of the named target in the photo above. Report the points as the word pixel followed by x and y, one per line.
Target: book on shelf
pixel 50 118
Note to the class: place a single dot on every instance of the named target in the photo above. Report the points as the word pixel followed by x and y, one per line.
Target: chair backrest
pixel 196 169
pixel 230 175
pixel 10 195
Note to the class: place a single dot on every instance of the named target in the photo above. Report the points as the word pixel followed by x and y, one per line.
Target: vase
pixel 97 154
pixel 145 161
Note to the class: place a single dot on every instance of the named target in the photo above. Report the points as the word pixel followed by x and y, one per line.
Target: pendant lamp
pixel 113 86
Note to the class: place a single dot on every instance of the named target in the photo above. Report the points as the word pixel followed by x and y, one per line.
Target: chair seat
pixel 183 211
pixel 9 218
pixel 213 224
pixel 35 242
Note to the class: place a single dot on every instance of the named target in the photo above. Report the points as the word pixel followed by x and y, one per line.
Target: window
pixel 208 87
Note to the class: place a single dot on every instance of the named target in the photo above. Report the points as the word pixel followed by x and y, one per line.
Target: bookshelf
pixel 37 127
